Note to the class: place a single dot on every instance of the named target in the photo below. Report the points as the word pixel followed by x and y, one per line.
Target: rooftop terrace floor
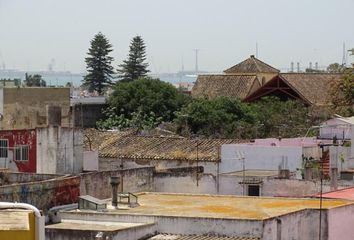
pixel 221 206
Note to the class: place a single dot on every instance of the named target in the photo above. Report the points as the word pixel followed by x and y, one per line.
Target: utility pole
pixel 196 61
pixel 240 155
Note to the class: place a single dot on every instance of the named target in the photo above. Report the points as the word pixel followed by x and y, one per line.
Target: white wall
pixel 59 150
pixel 90 161
pixel 335 127
pixel 106 164
pixel 259 157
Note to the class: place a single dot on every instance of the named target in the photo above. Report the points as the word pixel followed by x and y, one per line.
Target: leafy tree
pixel 143 103
pixel 98 64
pixel 276 118
pixel 134 67
pixel 35 80
pixel 219 117
pixel 343 92
pixel 335 68
pixel 227 117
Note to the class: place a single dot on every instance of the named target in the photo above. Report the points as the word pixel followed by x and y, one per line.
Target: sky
pixel 35 33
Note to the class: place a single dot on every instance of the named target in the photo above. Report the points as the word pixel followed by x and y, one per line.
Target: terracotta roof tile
pixel 130 146
pixel 315 87
pixel 224 85
pixel 251 65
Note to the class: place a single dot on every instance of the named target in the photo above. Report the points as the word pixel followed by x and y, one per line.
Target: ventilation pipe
pixel 114 183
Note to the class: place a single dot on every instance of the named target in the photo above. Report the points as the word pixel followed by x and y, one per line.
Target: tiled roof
pixel 251 65
pixel 101 139
pixel 211 86
pixel 315 87
pixel 130 146
pixel 197 237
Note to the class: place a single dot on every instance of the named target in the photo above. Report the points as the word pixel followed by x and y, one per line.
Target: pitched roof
pixel 346 193
pixel 311 88
pixel 224 85
pixel 251 65
pixel 165 236
pixel 315 87
pixel 96 139
pixel 117 145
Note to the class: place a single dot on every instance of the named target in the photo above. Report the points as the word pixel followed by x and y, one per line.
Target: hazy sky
pixel 33 32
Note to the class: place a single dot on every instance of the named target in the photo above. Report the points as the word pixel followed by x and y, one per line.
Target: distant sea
pixel 61 78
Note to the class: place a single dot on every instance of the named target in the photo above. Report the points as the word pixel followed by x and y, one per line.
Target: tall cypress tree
pixel 98 64
pixel 134 67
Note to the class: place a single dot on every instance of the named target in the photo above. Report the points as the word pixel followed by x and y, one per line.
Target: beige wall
pixel 24 108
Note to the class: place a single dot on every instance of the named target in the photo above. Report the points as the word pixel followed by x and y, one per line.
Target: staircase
pixel 324 164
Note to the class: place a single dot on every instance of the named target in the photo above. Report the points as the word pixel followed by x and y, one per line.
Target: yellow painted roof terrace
pixel 222 206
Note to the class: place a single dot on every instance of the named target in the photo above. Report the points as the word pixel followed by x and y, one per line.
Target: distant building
pixel 339 128
pixel 86 111
pixel 26 107
pixel 48 150
pixel 253 79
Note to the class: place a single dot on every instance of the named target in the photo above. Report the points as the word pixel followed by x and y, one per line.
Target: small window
pixel 4 144
pixel 21 152
pixel 253 190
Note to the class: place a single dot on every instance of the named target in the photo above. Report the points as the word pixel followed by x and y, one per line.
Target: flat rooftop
pixel 197 237
pixel 221 206
pixel 82 225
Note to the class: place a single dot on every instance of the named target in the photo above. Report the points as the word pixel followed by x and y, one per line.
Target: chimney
pixel 292 67
pixel 114 183
pixel 298 66
pixel 252 56
pixel 316 65
pixel 53 116
pixel 310 66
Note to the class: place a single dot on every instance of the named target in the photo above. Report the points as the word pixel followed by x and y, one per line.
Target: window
pixel 253 190
pixel 4 144
pixel 21 152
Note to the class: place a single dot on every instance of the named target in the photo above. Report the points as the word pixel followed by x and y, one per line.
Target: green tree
pixel 219 117
pixel 98 64
pixel 228 117
pixel 335 68
pixel 35 80
pixel 142 103
pixel 276 118
pixel 134 67
pixel 343 92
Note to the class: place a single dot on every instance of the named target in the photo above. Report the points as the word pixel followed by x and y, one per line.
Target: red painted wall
pixel 22 137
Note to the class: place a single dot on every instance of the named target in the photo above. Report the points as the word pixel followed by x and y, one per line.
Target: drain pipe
pixel 39 219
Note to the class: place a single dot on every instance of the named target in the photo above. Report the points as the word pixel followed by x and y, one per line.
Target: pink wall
pixel 341 223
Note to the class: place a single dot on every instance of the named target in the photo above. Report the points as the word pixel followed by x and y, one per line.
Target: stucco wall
pixel 340 222
pixel 15 138
pixel 179 225
pixel 259 157
pixel 298 225
pixel 186 182
pixel 141 232
pixel 25 108
pixel 112 163
pixel 43 194
pixel 97 184
pixel 60 150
